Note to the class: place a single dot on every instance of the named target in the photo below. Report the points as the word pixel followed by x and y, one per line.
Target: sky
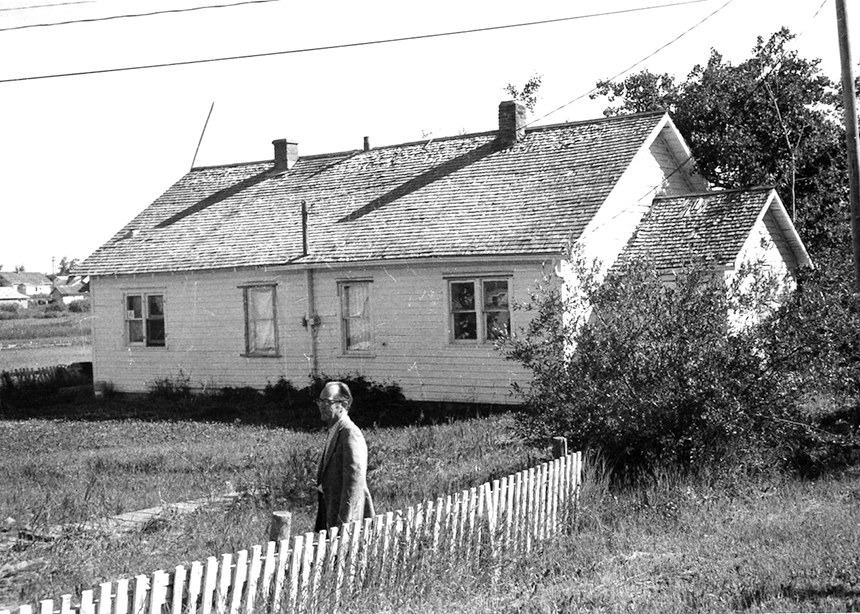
pixel 82 154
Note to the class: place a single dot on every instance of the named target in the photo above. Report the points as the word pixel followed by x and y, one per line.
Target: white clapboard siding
pixel 477 528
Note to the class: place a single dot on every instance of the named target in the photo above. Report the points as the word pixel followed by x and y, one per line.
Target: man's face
pixel 329 405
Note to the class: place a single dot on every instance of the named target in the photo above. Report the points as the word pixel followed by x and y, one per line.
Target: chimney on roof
pixel 286 154
pixel 367 143
pixel 512 122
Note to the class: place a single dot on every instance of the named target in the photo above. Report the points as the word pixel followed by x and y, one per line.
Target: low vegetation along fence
pixel 18 377
pixel 474 531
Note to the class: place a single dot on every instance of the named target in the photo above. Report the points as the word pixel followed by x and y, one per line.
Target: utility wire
pixel 761 80
pixel 131 16
pixel 348 45
pixel 626 70
pixel 42 6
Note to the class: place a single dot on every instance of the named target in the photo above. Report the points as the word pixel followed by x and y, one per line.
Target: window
pixel 355 316
pixel 479 309
pixel 261 331
pixel 144 319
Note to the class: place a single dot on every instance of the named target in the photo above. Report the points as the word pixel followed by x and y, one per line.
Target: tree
pixel 653 374
pixel 771 120
pixel 67 265
pixel 527 96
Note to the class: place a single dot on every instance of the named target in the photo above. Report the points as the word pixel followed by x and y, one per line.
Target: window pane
pixel 465 326
pixel 462 296
pixel 155 332
pixel 135 331
pixel 133 307
pixel 155 306
pixel 356 316
pixel 263 336
pixel 260 320
pixel 498 324
pixel 495 295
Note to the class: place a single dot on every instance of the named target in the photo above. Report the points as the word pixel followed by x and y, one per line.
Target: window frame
pixel 345 318
pixel 480 310
pixel 145 318
pixel 275 352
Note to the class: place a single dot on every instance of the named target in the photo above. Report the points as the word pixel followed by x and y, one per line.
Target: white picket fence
pixel 476 529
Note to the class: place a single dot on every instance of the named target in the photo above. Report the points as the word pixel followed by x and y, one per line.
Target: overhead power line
pixel 348 45
pixel 629 68
pixel 132 15
pixel 44 6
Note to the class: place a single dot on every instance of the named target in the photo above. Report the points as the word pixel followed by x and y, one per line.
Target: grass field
pixel 724 544
pixel 33 342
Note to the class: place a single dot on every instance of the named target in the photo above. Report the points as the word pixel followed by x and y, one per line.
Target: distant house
pixel 10 296
pixel 30 284
pixel 401 263
pixel 68 293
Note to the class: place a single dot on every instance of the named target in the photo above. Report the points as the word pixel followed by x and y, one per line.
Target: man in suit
pixel 342 471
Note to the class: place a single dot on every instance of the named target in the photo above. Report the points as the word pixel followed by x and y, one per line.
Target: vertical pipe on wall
pixel 312 323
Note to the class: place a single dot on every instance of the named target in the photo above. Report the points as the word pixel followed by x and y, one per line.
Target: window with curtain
pixel 355 316
pixel 261 332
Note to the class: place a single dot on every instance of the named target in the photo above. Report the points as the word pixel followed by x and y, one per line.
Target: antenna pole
pixel 202 132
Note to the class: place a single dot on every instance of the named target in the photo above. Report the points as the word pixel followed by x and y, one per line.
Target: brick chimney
pixel 286 154
pixel 512 122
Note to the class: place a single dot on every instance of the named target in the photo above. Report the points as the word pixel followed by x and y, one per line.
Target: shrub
pixel 9 311
pixel 651 372
pixel 81 306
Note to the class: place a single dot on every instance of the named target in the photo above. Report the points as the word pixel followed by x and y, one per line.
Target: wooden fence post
pixel 280 526
pixel 559 447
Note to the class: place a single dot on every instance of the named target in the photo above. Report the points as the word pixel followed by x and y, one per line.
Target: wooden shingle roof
pixel 470 195
pixel 711 226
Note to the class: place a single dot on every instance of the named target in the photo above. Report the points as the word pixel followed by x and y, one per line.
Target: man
pixel 342 471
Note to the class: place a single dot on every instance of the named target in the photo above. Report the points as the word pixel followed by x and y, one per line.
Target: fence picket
pixel 268 572
pixel 121 598
pixel 293 574
pixel 105 600
pixel 195 584
pixel 223 590
pixel 158 592
pixel 209 583
pixel 240 574
pixel 179 575
pixel 305 572
pixel 317 571
pixel 66 604
pixel 87 604
pixel 254 570
pixel 367 536
pixel 46 606
pixel 141 588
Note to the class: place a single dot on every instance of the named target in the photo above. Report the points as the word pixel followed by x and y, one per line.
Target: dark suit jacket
pixel 343 478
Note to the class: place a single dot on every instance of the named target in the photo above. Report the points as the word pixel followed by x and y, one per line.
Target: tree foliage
pixel 654 373
pixel 528 95
pixel 773 119
pixel 66 265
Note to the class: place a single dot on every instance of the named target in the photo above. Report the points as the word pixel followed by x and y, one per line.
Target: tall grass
pixel 65 472
pixel 725 542
pixel 64 325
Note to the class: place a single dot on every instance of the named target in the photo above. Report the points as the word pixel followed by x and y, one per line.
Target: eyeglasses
pixel 328 401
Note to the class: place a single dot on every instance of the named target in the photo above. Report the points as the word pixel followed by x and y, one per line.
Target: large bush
pixel 651 370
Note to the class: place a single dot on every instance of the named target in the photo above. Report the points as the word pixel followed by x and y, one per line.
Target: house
pixel 401 263
pixel 70 288
pixel 10 296
pixel 30 284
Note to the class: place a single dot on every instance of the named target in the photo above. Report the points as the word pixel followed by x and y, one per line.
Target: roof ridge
pixel 757 188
